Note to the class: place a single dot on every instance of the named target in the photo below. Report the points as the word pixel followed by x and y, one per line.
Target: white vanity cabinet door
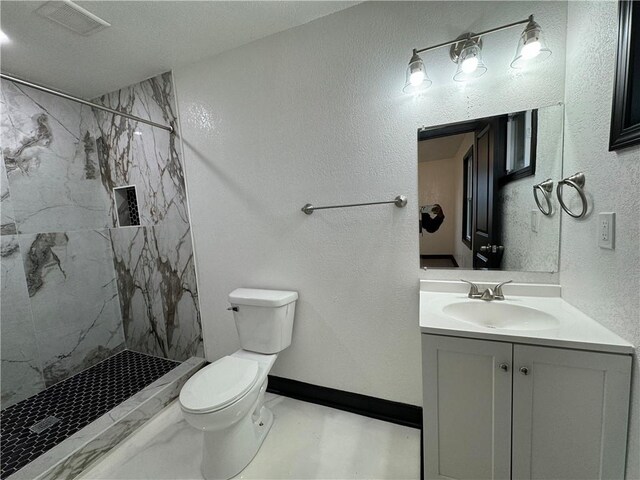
pixel 467 408
pixel 570 411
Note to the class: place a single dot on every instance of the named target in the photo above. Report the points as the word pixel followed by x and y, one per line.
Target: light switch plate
pixel 606 229
pixel 535 220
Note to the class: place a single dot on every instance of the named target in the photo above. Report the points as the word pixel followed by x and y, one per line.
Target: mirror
pixel 478 182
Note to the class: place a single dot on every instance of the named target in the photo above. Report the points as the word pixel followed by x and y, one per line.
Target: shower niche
pixel 127 206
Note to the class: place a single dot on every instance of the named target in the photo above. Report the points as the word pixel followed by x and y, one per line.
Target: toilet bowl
pixel 225 399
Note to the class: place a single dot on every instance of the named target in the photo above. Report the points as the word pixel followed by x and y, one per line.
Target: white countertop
pixel 575 330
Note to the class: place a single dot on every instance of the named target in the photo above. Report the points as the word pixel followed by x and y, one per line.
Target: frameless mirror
pixel 485 193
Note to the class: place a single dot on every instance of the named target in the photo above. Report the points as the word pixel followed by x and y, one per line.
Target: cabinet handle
pixel 524 370
pixel 504 366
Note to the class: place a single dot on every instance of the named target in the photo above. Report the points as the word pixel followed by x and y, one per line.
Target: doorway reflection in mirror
pixel 475 188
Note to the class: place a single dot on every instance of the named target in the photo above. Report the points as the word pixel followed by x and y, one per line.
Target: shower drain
pixel 43 424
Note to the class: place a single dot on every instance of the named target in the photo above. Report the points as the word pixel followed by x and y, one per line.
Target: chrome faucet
pixel 497 290
pixel 489 294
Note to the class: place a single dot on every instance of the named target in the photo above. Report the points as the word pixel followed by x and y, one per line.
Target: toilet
pixel 226 398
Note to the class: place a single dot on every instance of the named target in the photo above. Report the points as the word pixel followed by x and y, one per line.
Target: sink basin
pixel 501 315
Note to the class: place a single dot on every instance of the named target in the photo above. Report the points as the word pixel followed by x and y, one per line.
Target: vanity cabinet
pixel 499 410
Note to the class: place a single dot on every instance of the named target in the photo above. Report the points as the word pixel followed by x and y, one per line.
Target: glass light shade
pixel 417 78
pixel 531 47
pixel 470 64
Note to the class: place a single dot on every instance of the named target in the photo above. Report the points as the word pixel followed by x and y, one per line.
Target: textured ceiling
pixel 146 38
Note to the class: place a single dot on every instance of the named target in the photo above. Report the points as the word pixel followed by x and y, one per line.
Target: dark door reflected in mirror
pixel 476 180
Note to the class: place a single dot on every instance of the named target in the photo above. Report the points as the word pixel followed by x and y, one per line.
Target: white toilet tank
pixel 264 318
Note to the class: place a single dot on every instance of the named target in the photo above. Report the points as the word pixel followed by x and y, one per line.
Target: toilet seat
pixel 219 385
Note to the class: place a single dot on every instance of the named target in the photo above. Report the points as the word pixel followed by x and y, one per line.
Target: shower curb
pixel 75 454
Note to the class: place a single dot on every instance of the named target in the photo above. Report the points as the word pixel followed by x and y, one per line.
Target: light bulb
pixel 530 46
pixel 3 37
pixel 469 65
pixel 531 50
pixel 416 78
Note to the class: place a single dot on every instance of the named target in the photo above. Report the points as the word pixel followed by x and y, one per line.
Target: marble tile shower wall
pixel 154 262
pixel 75 288
pixel 59 308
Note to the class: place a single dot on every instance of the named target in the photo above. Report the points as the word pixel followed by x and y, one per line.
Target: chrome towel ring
pixel 576 181
pixel 546 188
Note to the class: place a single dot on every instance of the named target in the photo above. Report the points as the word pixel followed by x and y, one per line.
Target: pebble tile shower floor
pixel 74 402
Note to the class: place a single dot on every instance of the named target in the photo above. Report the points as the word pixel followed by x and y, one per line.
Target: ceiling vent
pixel 72 16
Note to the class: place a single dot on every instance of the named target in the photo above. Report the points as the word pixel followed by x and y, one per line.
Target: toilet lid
pixel 219 384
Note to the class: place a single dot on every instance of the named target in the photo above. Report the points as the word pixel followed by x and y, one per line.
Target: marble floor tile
pixel 306 441
pixel 21 371
pixel 96 409
pixel 74 299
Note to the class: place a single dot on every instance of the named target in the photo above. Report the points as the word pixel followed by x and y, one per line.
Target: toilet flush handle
pixel 233 309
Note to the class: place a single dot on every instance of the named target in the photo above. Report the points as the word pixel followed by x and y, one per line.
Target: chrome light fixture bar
pixel 466 53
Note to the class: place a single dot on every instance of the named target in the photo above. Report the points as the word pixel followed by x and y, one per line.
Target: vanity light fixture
pixel 3 37
pixel 531 45
pixel 417 78
pixel 466 53
pixel 468 56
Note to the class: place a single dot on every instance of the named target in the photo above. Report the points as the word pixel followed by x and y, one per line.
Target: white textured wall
pixel 526 249
pixel 316 114
pixel 605 284
pixel 437 183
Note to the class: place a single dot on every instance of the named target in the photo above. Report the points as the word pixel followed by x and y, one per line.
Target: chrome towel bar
pixel 400 201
